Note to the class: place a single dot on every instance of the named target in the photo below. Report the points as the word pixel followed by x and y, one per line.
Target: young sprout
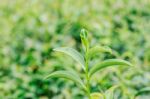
pixel 84 60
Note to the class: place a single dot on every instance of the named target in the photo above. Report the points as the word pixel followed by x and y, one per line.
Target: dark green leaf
pixel 142 91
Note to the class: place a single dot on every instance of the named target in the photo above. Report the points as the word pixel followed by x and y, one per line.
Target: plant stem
pixel 87 74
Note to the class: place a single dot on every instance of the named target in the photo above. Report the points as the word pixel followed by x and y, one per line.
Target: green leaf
pixel 142 91
pixel 84 38
pixel 109 94
pixel 98 49
pixel 73 53
pixel 108 63
pixel 67 75
pixel 97 95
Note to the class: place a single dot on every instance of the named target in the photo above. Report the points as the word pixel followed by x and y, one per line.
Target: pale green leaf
pixel 67 75
pixel 97 95
pixel 109 94
pixel 98 49
pixel 84 38
pixel 73 53
pixel 108 63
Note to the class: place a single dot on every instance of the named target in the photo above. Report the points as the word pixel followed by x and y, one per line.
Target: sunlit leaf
pixel 97 95
pixel 109 94
pixel 98 49
pixel 67 75
pixel 84 38
pixel 108 63
pixel 73 53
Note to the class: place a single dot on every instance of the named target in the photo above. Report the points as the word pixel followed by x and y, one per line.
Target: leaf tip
pixel 83 33
pixel 45 77
pixel 54 49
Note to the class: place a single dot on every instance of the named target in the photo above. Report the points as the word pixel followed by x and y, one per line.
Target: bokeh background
pixel 30 29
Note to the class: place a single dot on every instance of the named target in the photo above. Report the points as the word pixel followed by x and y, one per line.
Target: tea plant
pixel 142 91
pixel 89 52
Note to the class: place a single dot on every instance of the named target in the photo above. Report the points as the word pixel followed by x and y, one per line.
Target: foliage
pixel 84 61
pixel 30 29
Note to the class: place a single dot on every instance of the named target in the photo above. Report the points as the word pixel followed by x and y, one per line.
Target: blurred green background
pixel 30 29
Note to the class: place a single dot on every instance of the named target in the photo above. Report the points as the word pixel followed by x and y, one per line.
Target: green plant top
pixel 84 60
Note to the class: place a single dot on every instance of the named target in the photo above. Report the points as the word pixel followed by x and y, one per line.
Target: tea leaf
pixel 67 75
pixel 73 53
pixel 97 95
pixel 109 94
pixel 142 91
pixel 84 38
pixel 98 49
pixel 108 63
